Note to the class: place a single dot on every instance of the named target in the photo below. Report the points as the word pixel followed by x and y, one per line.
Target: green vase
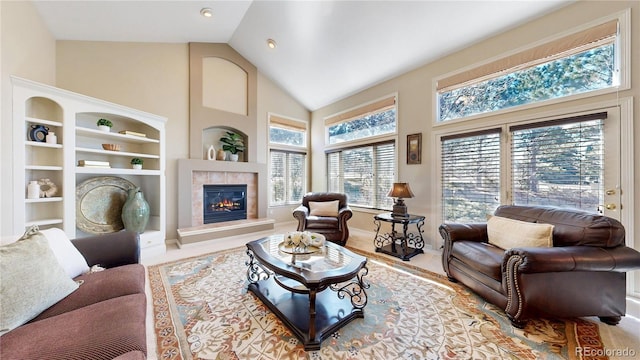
pixel 135 211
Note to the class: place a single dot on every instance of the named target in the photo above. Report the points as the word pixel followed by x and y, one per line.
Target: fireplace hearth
pixel 224 203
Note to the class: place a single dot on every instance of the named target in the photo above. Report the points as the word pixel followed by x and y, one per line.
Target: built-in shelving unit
pixel 72 117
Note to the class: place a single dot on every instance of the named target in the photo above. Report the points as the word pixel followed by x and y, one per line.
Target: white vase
pixel 233 157
pixel 33 190
pixel 136 166
pixel 211 153
pixel 52 138
pixel 104 128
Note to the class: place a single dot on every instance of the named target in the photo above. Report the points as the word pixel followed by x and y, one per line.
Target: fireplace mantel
pixel 187 168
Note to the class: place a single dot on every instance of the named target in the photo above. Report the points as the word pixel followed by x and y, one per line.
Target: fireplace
pixel 224 203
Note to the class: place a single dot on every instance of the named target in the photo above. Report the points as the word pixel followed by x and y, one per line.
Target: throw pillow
pixel 32 280
pixel 68 255
pixel 509 233
pixel 323 208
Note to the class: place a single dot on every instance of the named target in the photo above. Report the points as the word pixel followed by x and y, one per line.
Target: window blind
pixel 559 162
pixel 581 41
pixel 375 106
pixel 364 173
pixel 287 175
pixel 470 175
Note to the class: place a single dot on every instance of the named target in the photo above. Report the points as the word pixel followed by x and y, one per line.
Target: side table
pixel 404 244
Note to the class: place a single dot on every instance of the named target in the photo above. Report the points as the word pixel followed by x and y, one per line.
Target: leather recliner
pixel 583 274
pixel 334 228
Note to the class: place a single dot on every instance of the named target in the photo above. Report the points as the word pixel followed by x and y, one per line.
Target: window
pixel 470 176
pixel 377 118
pixel 361 156
pixel 287 177
pixel 287 160
pixel 579 63
pixel 559 163
pixel 364 173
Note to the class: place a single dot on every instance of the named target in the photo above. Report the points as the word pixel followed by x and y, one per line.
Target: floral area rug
pixel 202 310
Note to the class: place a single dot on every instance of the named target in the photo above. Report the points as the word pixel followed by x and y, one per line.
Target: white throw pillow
pixel 324 208
pixel 68 256
pixel 32 281
pixel 509 233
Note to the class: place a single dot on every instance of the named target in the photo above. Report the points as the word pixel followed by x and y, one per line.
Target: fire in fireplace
pixel 224 203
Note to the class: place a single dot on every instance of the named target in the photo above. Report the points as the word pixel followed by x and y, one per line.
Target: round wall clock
pixel 38 133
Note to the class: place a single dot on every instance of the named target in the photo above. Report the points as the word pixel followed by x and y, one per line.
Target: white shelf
pixel 80 139
pixel 44 200
pixel 42 121
pixel 98 134
pixel 115 171
pixel 116 153
pixel 43 144
pixel 43 167
pixel 43 222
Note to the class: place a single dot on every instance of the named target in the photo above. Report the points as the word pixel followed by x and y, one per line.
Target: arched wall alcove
pixel 211 137
pixel 223 95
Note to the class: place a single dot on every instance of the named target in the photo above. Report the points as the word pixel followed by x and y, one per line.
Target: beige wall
pixel 28 51
pixel 155 78
pixel 416 113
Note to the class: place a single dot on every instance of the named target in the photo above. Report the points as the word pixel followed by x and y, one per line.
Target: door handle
pixel 611 192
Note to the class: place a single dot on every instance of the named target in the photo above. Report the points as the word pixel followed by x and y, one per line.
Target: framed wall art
pixel 414 148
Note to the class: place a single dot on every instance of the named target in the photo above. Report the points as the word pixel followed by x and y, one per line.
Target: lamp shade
pixel 400 190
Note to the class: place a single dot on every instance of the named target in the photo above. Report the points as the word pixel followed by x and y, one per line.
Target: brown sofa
pixel 582 274
pixel 103 319
pixel 334 228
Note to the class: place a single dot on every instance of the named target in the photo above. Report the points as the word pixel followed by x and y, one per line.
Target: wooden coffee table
pixel 314 296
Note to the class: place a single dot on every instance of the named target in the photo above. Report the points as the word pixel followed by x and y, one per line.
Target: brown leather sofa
pixel 103 319
pixel 334 228
pixel 583 274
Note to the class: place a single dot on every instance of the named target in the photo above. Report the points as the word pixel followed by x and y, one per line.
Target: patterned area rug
pixel 202 310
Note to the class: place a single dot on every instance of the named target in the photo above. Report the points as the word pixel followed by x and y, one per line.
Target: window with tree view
pixel 287 160
pixel 364 170
pixel 577 64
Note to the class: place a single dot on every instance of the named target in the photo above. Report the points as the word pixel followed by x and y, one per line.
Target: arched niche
pixel 211 137
pixel 43 108
pixel 224 85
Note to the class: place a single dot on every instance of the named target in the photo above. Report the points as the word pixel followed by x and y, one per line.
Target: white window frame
pixel 298 124
pixel 347 115
pixel 623 50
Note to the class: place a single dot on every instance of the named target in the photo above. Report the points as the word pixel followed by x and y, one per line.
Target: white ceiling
pixel 327 50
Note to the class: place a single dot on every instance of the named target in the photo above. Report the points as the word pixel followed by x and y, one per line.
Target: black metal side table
pixel 403 245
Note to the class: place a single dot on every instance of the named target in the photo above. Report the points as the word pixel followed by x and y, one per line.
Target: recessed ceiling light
pixel 271 43
pixel 206 12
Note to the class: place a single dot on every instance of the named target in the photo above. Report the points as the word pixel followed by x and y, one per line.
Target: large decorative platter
pixel 296 250
pixel 99 203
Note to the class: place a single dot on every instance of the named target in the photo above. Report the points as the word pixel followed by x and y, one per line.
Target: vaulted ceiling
pixel 326 50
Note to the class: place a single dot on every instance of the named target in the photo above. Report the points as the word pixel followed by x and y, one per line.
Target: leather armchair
pixel 583 274
pixel 334 228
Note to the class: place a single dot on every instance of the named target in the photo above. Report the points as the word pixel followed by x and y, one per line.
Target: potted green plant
pixel 136 163
pixel 104 125
pixel 233 143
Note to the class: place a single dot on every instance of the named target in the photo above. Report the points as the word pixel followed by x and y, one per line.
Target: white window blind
pixel 287 177
pixel 470 176
pixel 559 162
pixel 364 173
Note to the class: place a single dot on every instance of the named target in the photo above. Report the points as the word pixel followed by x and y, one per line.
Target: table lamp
pixel 400 191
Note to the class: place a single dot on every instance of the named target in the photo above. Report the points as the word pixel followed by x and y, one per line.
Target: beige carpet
pixel 203 311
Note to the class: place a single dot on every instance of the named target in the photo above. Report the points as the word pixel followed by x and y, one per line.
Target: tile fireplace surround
pixel 193 174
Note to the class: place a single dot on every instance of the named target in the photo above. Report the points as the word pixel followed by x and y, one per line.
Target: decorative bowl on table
pixel 301 243
pixel 111 147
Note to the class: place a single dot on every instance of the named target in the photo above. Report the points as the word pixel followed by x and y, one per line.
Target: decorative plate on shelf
pixel 99 203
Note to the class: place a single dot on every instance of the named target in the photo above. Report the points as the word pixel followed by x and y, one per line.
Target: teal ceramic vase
pixel 135 211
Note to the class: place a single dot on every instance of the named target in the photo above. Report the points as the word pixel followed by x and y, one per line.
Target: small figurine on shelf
pixel 136 163
pixel 104 125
